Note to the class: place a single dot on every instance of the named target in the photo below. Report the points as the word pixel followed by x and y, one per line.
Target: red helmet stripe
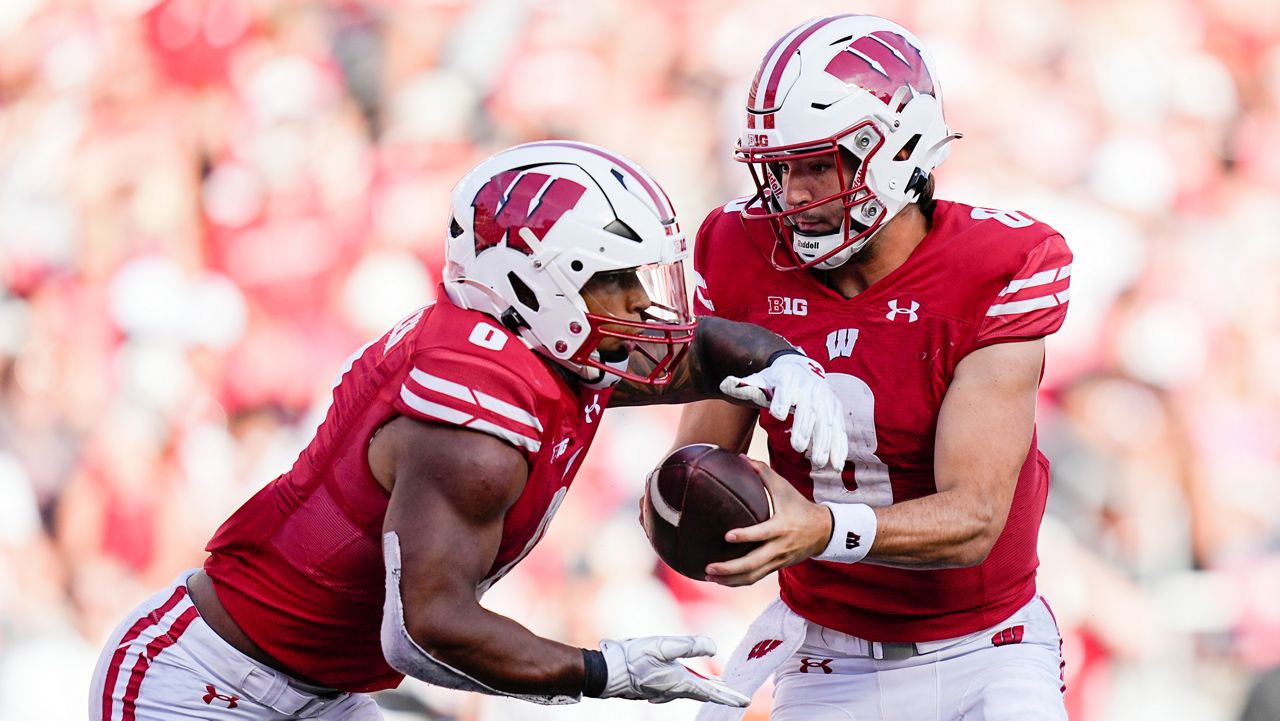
pixel 755 83
pixel 656 194
pixel 771 88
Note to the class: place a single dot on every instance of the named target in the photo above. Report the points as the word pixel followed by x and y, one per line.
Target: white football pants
pixel 164 663
pixel 1011 671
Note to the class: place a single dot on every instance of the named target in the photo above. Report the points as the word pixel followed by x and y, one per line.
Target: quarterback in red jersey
pixel 907 577
pixel 449 445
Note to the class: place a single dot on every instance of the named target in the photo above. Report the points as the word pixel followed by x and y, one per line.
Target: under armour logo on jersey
pixel 840 343
pixel 592 407
pixel 212 694
pixel 822 663
pixel 895 311
pixel 516 199
pixel 1006 636
pixel 763 648
pixel 852 541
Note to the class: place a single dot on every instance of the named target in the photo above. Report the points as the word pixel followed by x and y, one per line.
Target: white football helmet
pixel 857 83
pixel 534 223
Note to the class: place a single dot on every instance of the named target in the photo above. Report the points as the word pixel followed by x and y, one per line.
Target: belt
pixel 893 650
pixel 274 691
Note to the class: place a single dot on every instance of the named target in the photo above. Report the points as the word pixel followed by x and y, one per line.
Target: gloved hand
pixel 799 382
pixel 648 668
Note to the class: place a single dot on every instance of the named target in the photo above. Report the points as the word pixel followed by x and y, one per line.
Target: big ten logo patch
pixel 779 305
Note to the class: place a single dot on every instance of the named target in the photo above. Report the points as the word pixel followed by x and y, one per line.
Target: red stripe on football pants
pixel 157 645
pixel 142 624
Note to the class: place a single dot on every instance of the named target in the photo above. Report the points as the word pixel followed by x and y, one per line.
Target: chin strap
pixel 512 320
pixel 605 379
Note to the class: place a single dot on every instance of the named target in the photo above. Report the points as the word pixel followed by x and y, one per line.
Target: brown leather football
pixel 696 495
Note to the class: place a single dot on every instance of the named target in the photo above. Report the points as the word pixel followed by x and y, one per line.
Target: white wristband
pixel 853 530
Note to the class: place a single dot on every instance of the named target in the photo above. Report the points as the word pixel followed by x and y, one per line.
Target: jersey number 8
pixel 870 483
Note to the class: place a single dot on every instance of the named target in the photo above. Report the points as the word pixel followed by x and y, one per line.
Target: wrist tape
pixel 595 673
pixel 853 530
pixel 779 353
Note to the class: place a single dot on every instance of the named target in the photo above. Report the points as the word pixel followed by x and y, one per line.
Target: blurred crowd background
pixel 206 205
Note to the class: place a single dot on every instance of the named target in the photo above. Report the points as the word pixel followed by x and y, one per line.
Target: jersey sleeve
pixel 460 390
pixel 703 304
pixel 1033 303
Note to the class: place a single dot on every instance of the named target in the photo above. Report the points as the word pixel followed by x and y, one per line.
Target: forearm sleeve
pixel 728 348
pixel 409 658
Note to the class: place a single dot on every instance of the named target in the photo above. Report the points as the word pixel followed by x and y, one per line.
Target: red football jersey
pixel 979 277
pixel 299 566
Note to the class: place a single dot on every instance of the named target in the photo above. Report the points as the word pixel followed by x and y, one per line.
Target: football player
pixel 449 444
pixel 907 576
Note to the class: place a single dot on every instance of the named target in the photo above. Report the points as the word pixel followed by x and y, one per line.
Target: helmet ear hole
pixel 455 228
pixel 524 294
pixel 909 148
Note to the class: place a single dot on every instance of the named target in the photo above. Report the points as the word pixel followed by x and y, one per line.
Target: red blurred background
pixel 206 205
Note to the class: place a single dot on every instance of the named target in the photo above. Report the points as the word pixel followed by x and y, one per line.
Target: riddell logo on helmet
pixel 517 199
pixel 880 63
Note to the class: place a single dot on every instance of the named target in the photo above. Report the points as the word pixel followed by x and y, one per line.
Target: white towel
pixel 771 639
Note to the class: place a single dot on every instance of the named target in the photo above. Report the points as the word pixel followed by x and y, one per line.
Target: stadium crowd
pixel 206 205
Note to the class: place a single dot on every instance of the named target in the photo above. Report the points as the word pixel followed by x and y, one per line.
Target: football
pixel 696 495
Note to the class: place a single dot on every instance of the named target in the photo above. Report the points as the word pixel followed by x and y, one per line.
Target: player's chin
pixel 814 227
pixel 613 354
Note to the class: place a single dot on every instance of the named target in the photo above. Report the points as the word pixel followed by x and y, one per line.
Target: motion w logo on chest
pixel 840 343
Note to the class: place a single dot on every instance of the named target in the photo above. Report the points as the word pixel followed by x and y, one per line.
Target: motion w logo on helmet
pixel 518 199
pixel 881 63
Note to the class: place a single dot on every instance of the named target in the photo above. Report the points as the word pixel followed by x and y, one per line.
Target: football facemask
pixel 659 330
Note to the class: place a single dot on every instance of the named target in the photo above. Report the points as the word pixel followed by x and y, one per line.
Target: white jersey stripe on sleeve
pixel 508 410
pixel 435 410
pixel 516 439
pixel 1064 271
pixel 1024 306
pixel 1044 277
pixel 442 386
pixel 449 388
pixel 466 420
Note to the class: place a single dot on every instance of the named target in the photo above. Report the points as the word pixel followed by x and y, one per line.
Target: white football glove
pixel 648 668
pixel 799 382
